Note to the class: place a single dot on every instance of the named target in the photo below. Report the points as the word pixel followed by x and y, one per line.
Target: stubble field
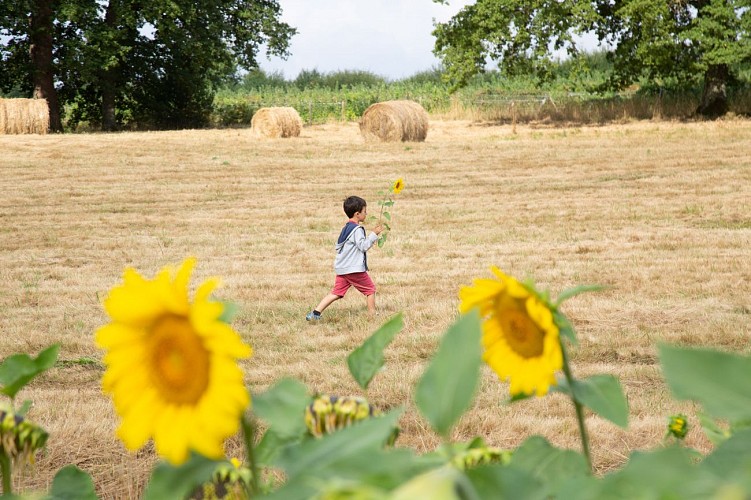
pixel 658 212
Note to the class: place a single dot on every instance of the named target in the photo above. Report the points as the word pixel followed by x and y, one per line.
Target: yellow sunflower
pixel 398 185
pixel 172 366
pixel 520 339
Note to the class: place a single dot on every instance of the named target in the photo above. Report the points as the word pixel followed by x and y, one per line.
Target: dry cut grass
pixel 660 212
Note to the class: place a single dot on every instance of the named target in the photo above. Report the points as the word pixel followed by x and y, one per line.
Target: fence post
pixel 344 109
pixel 310 112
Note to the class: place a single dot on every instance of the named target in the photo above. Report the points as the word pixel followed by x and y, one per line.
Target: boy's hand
pixel 378 228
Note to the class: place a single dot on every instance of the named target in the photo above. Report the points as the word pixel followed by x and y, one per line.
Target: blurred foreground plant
pixel 334 447
pixel 20 438
pixel 331 447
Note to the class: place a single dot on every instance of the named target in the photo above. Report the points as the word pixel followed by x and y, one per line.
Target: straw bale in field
pixel 24 116
pixel 392 121
pixel 276 122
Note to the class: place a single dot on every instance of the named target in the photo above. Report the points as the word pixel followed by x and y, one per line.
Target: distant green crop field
pixel 575 92
pixel 317 105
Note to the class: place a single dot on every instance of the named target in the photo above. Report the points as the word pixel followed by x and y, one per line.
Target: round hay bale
pixel 3 117
pixel 276 122
pixel 393 121
pixel 24 116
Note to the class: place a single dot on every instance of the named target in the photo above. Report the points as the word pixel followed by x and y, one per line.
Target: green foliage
pixel 320 103
pixel 521 39
pixel 472 454
pixel 565 328
pixel 338 447
pixel 354 454
pixel 550 465
pixel 282 406
pixel 168 481
pixel 574 291
pixel 447 387
pixel 667 473
pixel 308 78
pixel 668 44
pixel 431 76
pixel 717 380
pixel 18 370
pixel 382 239
pixel 71 483
pixel 230 311
pixel 257 78
pixel 337 80
pixel 444 483
pixel 502 482
pixel 21 438
pixel 715 432
pixel 602 394
pixel 731 459
pixel 365 361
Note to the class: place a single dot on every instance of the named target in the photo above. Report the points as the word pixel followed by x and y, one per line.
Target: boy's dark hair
pixel 354 204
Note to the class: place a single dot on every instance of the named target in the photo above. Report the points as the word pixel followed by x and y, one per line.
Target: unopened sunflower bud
pixel 317 415
pixel 345 409
pixel 327 414
pixel 678 426
pixel 19 438
pixel 363 410
pixel 481 456
pixel 228 482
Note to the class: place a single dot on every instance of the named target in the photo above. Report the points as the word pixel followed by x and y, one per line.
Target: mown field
pixel 659 212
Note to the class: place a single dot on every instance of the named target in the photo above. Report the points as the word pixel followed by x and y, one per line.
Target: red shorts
pixel 361 281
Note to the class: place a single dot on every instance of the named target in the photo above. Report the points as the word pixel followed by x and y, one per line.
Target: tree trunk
pixel 108 104
pixel 714 99
pixel 108 76
pixel 41 60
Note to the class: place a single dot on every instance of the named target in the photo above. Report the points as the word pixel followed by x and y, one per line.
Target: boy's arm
pixel 362 242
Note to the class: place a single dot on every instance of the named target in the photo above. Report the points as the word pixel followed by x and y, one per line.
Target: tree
pixel 28 54
pixel 158 61
pixel 683 42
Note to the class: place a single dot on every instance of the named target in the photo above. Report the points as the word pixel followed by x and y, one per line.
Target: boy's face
pixel 361 215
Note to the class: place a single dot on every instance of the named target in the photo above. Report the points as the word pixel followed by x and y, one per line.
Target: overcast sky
pixel 390 38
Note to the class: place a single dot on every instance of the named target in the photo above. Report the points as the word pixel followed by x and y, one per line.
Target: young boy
pixel 351 262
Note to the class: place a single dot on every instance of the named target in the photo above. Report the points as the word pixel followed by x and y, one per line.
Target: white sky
pixel 390 38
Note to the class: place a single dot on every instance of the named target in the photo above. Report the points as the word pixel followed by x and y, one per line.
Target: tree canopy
pixel 156 63
pixel 668 42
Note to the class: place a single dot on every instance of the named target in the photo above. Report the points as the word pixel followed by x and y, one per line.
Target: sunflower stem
pixel 579 408
pixel 7 483
pixel 249 433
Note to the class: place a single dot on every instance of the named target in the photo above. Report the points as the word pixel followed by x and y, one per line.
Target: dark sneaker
pixel 312 316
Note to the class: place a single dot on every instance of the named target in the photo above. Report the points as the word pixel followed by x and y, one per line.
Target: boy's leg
pixel 371 304
pixel 365 285
pixel 341 285
pixel 315 314
pixel 327 301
